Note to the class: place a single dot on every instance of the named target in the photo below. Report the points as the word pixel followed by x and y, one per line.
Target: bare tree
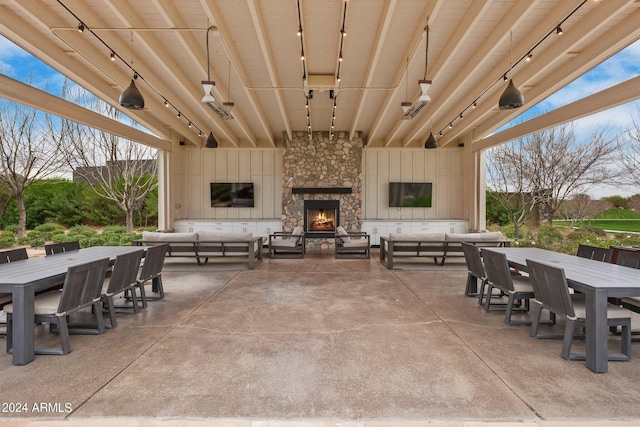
pixel 630 151
pixel 508 184
pixel 634 203
pixel 117 169
pixel 582 207
pixel 29 149
pixel 553 165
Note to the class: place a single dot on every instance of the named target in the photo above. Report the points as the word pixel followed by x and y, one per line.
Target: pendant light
pixel 511 97
pixel 211 141
pixel 131 97
pixel 431 140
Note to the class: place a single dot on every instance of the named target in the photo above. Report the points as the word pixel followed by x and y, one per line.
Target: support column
pixel 475 203
pixel 168 207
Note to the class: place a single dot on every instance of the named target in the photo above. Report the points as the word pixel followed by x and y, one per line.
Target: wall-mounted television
pixel 410 194
pixel 232 195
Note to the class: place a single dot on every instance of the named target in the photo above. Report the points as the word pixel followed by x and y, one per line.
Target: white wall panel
pixel 263 167
pixel 440 167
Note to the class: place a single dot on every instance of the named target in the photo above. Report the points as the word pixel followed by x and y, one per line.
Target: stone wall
pixel 322 162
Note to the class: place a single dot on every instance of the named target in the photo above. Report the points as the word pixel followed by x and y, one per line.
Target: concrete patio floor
pixel 313 343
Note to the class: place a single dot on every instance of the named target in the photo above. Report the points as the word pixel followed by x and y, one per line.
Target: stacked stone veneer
pixel 322 162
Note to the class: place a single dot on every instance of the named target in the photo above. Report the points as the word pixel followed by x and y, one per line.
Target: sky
pixel 19 64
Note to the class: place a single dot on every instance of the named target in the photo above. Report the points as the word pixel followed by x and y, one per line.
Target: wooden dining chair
pixel 594 252
pixel 554 295
pixel 476 275
pixel 518 288
pixel 123 278
pixel 58 248
pixel 628 259
pixel 82 287
pixel 151 272
pixel 13 255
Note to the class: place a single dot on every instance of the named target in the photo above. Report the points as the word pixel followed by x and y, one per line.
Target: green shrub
pixel 12 227
pixel 111 239
pixel 126 238
pixel 49 227
pixel 6 240
pixel 83 230
pixel 87 242
pixel 38 241
pixel 114 229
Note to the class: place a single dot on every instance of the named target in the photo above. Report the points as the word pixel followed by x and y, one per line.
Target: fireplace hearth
pixel 321 217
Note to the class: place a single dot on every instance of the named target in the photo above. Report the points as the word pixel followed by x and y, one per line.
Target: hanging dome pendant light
pixel 211 141
pixel 131 97
pixel 511 97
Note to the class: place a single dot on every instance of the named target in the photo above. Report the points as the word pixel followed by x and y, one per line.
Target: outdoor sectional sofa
pixel 433 245
pixel 207 244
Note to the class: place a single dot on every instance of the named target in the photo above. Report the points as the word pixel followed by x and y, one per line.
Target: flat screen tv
pixel 410 194
pixel 231 194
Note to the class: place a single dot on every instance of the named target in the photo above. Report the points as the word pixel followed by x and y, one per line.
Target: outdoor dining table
pixel 23 278
pixel 597 280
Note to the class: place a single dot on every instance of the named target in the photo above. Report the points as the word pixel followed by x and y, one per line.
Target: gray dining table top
pixel 580 272
pixel 36 270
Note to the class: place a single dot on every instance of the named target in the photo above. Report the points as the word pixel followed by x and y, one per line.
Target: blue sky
pixel 18 64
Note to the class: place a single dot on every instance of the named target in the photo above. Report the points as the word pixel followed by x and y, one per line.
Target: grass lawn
pixel 632 225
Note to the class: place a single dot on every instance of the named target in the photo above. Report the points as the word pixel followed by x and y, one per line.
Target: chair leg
pixel 63 331
pixel 472 281
pixel 535 316
pixel 143 295
pixel 156 287
pixel 112 313
pixel 568 339
pixel 9 333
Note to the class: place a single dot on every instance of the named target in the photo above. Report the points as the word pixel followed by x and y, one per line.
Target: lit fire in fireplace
pixel 320 220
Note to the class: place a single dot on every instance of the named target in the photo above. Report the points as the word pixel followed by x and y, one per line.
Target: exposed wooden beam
pixel 40 100
pixel 612 97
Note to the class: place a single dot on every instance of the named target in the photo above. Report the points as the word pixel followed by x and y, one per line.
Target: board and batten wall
pixel 441 167
pixel 263 167
pixel 200 167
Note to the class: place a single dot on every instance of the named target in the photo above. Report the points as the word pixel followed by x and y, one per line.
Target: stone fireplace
pixel 321 217
pixel 326 170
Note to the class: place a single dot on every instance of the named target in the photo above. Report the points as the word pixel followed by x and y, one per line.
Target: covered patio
pixel 320 342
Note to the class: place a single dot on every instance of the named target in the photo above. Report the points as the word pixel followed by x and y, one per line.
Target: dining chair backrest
pixel 125 271
pixel 58 248
pixel 13 255
pixel 153 262
pixel 497 268
pixel 82 285
pixel 473 258
pixel 628 259
pixel 594 253
pixel 550 288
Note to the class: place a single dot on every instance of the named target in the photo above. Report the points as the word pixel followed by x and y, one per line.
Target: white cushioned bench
pixel 206 244
pixel 434 245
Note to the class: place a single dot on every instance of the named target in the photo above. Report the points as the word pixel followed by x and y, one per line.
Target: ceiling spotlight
pixel 475 104
pixel 450 125
pixel 343 32
pixel 81 27
pixel 299 31
pixel 112 56
pixel 131 97
pixel 406 105
pixel 559 30
pixel 166 103
pixel 179 114
pixel 189 125
pixel 211 141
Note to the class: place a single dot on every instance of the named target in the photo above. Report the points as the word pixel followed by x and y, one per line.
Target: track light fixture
pixel 559 30
pixel 112 56
pixel 81 27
